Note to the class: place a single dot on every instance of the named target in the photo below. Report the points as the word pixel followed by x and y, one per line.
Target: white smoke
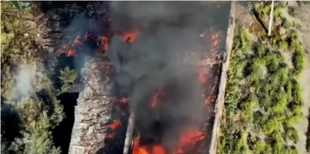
pixel 24 82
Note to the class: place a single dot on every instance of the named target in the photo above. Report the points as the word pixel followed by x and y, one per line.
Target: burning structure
pixel 153 87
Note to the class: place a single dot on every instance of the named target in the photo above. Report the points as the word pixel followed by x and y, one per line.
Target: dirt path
pixel 303 19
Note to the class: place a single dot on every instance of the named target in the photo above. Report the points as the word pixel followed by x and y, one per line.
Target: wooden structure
pixel 221 94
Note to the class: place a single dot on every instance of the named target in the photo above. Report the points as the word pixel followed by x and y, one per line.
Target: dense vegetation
pixel 27 119
pixel 263 98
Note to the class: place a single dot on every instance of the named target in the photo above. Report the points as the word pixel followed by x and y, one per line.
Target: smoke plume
pixel 24 82
pixel 159 57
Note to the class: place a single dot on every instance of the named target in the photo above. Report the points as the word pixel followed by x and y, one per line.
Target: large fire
pixel 186 143
pixel 191 136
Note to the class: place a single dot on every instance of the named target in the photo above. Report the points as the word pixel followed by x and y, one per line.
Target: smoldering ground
pixel 167 31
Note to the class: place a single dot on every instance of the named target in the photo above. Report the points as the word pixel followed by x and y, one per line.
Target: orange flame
pixel 111 136
pixel 124 100
pixel 202 77
pixel 115 124
pixel 71 53
pixel 192 135
pixel 121 100
pixel 69 49
pixel 129 36
pixel 155 100
pixel 154 149
pixel 188 139
pixel 77 41
pixel 104 43
pixel 156 97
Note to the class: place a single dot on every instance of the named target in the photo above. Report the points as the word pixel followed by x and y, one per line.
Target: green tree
pixel 38 122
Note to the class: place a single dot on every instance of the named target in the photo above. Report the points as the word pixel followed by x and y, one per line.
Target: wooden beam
pixel 129 133
pixel 271 18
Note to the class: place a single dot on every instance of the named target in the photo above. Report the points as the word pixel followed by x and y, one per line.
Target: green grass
pixel 270 100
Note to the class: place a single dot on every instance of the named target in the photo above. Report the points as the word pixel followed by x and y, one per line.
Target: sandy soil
pixel 304 21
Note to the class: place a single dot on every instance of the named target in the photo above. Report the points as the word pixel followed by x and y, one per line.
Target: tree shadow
pixel 308 134
pixel 62 133
pixel 10 123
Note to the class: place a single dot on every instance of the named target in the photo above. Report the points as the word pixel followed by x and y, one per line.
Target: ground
pixel 304 20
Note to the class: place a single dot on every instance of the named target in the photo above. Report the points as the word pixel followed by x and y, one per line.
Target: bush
pixel 296 92
pixel 261 51
pixel 242 146
pixel 292 134
pixel 270 126
pixel 283 45
pixel 292 11
pixel 292 120
pixel 278 11
pixel 291 150
pixel 259 147
pixel 68 78
pixel 298 62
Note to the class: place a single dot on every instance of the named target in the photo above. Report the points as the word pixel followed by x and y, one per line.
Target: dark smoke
pixel 168 31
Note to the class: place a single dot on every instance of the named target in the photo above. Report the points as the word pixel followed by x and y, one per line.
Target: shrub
pixel 277 12
pixel 292 134
pixel 287 24
pixel 298 62
pixel 270 126
pixel 292 120
pixel 242 146
pixel 68 78
pixel 283 45
pixel 261 51
pixel 296 92
pixel 292 11
pixel 246 42
pixel 259 146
